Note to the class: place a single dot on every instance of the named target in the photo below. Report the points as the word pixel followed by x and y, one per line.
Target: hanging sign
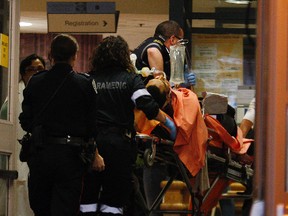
pixel 82 17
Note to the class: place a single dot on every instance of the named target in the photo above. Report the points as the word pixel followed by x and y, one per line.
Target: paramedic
pixel 59 132
pixel 118 91
pixel 154 51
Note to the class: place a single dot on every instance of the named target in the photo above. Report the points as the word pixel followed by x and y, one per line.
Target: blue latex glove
pixel 190 78
pixel 170 124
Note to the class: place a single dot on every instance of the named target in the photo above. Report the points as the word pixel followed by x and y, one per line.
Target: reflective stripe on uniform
pixel 88 207
pixel 109 209
pixel 139 93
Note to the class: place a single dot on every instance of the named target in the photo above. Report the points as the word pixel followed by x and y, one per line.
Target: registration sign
pixel 82 17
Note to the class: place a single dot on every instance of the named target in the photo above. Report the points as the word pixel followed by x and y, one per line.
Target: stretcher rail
pixel 156 149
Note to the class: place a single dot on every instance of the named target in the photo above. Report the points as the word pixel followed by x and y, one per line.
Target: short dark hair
pixel 63 47
pixel 167 28
pixel 28 61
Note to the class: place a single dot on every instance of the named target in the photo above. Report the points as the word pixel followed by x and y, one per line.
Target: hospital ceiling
pixel 137 20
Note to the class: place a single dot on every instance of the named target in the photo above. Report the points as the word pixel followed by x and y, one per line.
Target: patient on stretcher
pixel 193 129
pixel 190 145
pixel 183 106
pixel 196 134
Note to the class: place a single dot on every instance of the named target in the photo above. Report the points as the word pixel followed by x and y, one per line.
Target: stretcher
pixel 224 171
pixel 224 167
pixel 207 157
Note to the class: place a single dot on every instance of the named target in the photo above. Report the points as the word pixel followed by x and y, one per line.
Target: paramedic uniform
pixel 56 170
pixel 142 57
pixel 118 92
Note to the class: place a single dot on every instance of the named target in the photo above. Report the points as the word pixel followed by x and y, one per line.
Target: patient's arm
pixel 245 126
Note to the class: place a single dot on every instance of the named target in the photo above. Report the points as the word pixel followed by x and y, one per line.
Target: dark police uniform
pixel 117 94
pixel 142 58
pixel 56 170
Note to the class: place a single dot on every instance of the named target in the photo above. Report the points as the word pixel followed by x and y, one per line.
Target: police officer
pixel 118 91
pixel 59 132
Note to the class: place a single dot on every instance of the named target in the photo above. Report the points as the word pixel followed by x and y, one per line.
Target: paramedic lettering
pixel 111 85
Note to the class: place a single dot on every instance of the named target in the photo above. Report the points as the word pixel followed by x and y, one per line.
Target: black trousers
pixel 55 181
pixel 113 186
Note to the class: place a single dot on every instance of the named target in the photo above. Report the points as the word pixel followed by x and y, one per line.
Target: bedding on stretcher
pixel 221 136
pixel 192 133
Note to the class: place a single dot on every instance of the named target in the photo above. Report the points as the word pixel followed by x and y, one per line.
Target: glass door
pixel 9 63
pixel 4 51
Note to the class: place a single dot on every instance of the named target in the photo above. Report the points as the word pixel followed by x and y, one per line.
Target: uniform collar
pixel 65 67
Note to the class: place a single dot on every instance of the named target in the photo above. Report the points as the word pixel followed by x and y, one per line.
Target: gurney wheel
pixel 148 157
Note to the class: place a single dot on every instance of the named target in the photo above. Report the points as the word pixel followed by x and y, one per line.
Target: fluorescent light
pixel 237 1
pixel 24 24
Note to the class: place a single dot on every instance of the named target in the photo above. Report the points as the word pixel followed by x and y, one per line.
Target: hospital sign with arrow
pixel 82 17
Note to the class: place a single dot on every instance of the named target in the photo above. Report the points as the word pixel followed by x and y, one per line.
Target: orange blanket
pixel 220 135
pixel 192 134
pixel 142 124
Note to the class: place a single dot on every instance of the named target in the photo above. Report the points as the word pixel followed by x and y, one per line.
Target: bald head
pixel 159 89
pixel 156 82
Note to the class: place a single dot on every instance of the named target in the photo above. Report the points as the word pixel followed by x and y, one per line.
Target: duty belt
pixel 69 140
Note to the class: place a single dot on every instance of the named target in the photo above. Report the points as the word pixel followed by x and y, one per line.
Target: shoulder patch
pixel 85 74
pixel 158 41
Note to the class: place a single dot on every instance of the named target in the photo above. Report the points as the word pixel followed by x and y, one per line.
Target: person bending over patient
pixel 118 91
